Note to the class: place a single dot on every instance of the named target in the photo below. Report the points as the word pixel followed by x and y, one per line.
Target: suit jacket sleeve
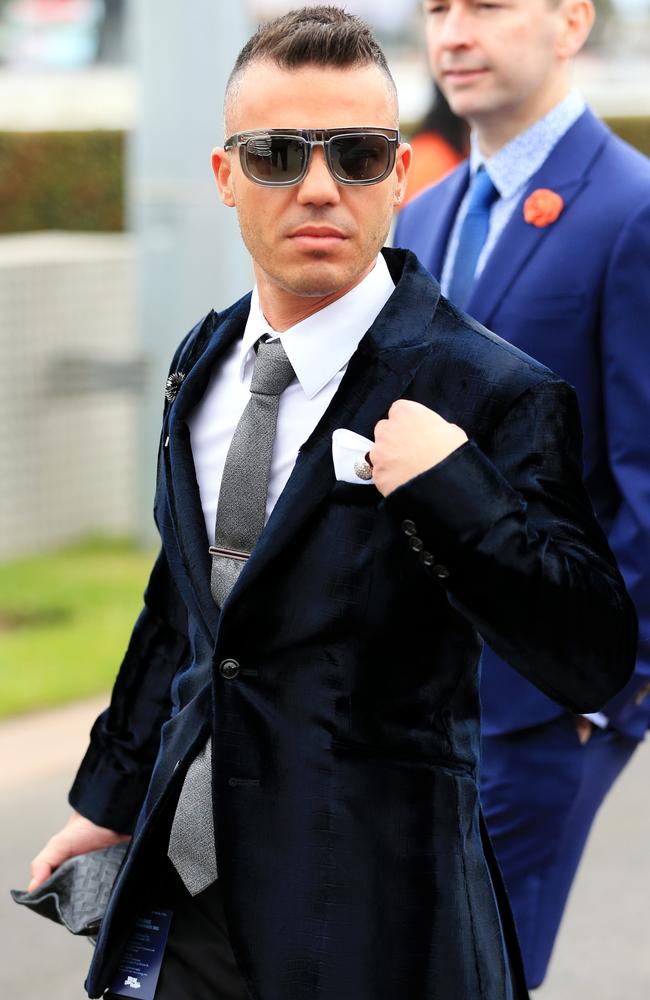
pixel 527 562
pixel 626 392
pixel 113 777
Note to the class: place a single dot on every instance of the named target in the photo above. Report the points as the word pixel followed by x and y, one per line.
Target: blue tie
pixel 473 234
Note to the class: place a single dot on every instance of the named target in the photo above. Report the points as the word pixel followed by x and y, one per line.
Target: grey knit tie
pixel 241 512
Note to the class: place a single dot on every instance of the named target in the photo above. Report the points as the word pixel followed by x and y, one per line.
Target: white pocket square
pixel 349 454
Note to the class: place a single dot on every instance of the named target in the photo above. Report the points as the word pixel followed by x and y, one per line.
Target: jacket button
pixel 229 669
pixel 441 572
pixel 408 527
pixel 428 559
pixel 416 543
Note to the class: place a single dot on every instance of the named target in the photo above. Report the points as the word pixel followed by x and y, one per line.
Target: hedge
pixel 62 180
pixel 75 180
pixel 635 130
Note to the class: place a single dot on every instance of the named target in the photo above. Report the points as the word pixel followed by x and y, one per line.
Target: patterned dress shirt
pixel 510 170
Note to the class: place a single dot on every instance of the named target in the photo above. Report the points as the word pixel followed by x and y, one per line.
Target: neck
pixel 494 132
pixel 283 309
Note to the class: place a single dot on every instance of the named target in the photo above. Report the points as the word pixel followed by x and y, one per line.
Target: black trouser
pixel 199 963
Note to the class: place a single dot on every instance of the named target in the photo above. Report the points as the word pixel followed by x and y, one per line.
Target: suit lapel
pixel 565 171
pixel 433 255
pixel 183 495
pixel 378 373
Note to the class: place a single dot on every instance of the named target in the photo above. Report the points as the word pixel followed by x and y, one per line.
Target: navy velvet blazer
pixel 576 296
pixel 349 836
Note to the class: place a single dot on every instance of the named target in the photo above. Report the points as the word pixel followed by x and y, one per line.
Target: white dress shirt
pixel 319 349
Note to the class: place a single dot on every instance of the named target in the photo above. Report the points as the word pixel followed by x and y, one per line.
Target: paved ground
pixel 40 960
pixel 604 949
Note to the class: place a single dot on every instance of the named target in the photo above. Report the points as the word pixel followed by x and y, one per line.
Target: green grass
pixel 65 621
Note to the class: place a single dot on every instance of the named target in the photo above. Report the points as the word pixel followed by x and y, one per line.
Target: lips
pixel 318 233
pixel 318 239
pixel 461 73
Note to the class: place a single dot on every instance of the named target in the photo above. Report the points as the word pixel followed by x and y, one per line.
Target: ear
pixel 223 175
pixel 402 167
pixel 578 17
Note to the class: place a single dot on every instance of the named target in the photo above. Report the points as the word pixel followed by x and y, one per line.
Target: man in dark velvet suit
pixel 425 486
pixel 563 273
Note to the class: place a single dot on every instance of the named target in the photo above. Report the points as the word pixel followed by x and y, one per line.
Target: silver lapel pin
pixel 172 385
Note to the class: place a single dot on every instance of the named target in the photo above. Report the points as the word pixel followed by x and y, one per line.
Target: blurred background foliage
pixel 74 181
pixel 635 130
pixel 62 180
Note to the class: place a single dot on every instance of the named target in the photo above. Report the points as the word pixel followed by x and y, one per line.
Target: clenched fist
pixel 411 440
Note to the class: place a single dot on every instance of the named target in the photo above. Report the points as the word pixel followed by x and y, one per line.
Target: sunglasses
pixel 280 157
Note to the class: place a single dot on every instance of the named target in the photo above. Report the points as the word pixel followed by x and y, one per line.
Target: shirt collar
pixel 339 327
pixel 515 163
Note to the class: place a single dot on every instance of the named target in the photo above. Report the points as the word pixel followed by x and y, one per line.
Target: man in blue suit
pixel 293 736
pixel 544 236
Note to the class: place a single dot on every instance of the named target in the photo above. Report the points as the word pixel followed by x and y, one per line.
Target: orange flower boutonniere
pixel 542 207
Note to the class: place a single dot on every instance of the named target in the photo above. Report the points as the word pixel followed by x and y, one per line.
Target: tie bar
pixel 229 553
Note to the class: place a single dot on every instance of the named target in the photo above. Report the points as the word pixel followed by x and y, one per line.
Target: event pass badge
pixel 139 968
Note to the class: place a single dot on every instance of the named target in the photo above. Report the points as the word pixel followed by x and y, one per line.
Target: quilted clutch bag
pixel 76 893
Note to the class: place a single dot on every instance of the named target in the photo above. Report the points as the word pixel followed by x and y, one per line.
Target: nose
pixel 453 28
pixel 318 187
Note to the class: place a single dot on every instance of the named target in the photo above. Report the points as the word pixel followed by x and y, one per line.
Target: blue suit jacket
pixel 576 296
pixel 349 835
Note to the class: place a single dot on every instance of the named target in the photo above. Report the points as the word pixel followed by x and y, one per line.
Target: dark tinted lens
pixel 275 159
pixel 359 157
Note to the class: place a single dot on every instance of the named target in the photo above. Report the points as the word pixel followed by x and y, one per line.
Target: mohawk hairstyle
pixel 311 36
